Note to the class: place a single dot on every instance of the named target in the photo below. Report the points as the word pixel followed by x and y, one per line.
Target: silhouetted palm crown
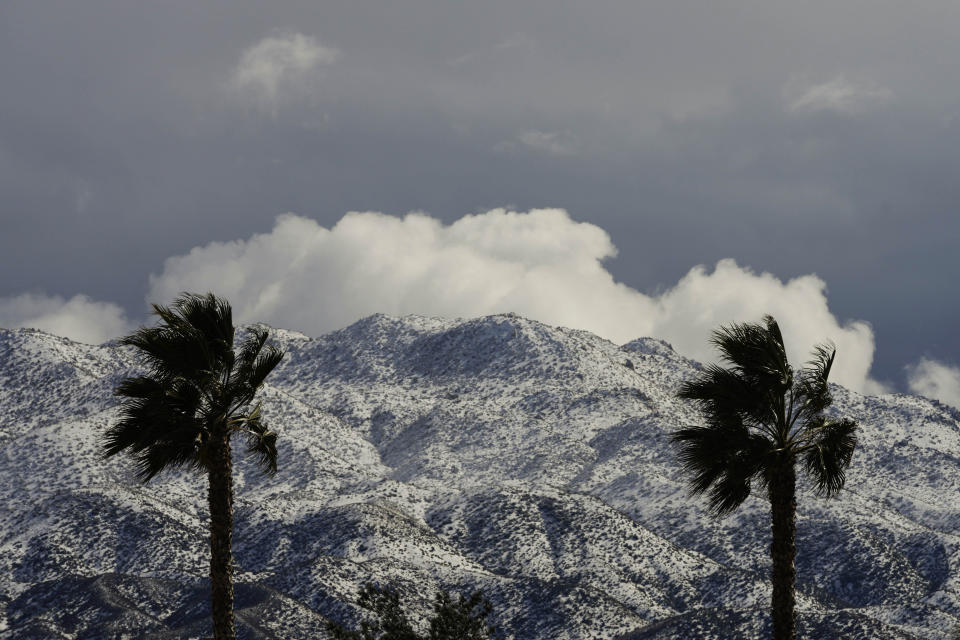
pixel 760 413
pixel 196 387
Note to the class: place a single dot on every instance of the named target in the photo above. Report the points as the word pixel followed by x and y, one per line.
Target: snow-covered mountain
pixel 529 461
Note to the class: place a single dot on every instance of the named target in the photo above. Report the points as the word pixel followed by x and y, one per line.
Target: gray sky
pixel 796 138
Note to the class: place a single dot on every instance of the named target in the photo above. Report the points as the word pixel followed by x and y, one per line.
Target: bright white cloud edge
pixel 935 380
pixel 78 318
pixel 540 264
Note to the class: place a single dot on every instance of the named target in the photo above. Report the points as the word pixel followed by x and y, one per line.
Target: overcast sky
pixel 814 144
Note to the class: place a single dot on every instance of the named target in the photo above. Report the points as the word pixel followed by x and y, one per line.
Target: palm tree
pixel 760 419
pixel 197 392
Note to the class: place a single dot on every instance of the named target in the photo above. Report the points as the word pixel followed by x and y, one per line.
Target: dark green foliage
pixel 197 391
pixel 464 618
pixel 195 384
pixel 760 418
pixel 453 619
pixel 390 621
pixel 758 410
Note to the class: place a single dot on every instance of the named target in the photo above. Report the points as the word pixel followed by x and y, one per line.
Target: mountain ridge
pixel 495 453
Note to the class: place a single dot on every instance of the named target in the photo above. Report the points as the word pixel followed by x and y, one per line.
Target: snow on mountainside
pixel 498 453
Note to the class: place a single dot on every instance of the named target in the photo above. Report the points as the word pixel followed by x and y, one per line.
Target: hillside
pixel 497 453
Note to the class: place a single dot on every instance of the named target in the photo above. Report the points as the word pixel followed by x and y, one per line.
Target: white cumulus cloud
pixel 277 63
pixel 78 318
pixel 935 380
pixel 839 95
pixel 540 264
pixel 702 300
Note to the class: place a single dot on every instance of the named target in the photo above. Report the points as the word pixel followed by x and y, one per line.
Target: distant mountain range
pixel 529 461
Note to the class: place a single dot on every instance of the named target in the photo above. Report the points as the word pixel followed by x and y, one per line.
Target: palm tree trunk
pixel 220 497
pixel 783 506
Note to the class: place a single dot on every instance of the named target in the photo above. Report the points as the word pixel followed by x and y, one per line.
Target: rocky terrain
pixel 529 461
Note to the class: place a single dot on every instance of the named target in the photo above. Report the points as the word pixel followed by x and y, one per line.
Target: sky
pixel 631 168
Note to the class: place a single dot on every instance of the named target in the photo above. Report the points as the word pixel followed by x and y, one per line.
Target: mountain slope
pixel 498 453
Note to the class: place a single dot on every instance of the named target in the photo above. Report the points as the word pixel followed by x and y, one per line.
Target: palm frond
pixel 811 391
pixel 156 422
pixel 756 352
pixel 828 454
pixel 255 361
pixel 191 339
pixel 723 461
pixel 139 387
pixel 261 442
pixel 700 457
pixel 212 317
pixel 723 395
pixel 170 352
pixel 155 445
pixel 822 361
pixel 756 409
pixel 773 329
pixel 269 358
pixel 191 388
pixel 168 454
pixel 249 350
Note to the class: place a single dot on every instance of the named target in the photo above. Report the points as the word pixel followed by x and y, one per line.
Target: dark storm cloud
pixel 803 138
